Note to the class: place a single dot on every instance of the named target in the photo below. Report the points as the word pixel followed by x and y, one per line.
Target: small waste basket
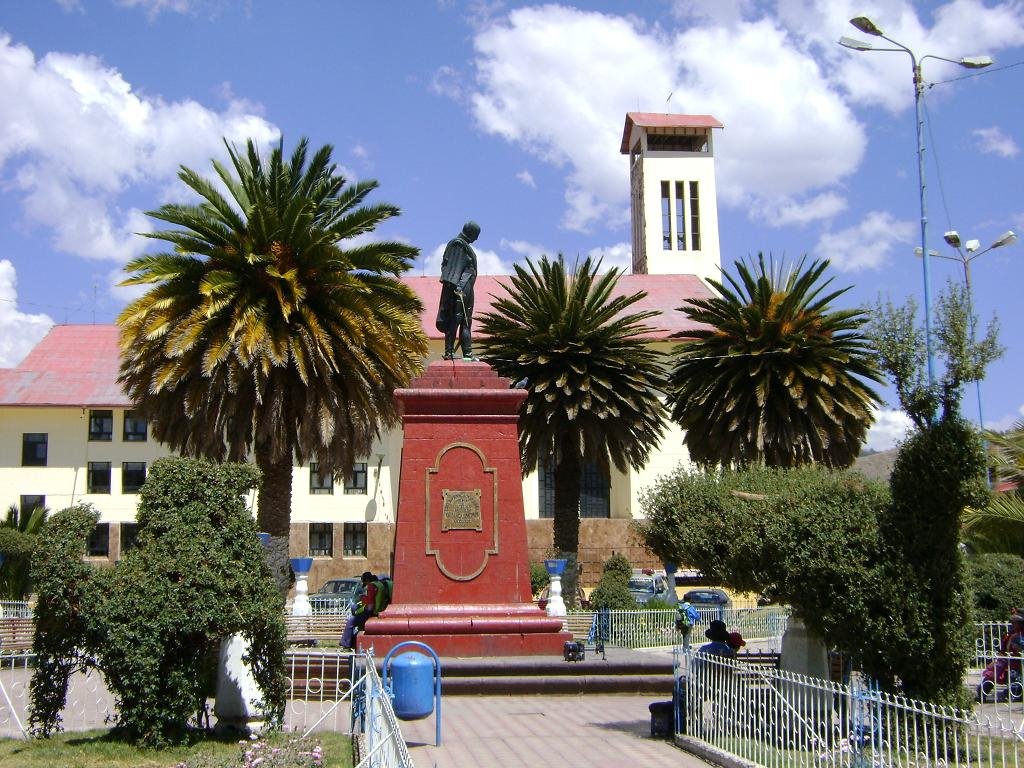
pixel 412 676
pixel 662 717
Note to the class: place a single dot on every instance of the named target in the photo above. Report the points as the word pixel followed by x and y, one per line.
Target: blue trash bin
pixel 412 681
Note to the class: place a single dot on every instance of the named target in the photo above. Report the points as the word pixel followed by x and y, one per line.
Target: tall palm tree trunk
pixel 273 509
pixel 567 503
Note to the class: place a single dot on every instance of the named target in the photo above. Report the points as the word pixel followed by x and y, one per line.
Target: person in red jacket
pixel 367 608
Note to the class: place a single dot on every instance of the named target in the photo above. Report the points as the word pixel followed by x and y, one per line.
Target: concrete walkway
pixel 592 731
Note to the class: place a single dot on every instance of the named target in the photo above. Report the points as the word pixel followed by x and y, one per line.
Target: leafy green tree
pixel 612 591
pixel 592 381
pixel 901 352
pixel 940 471
pixel 17 538
pixel 153 624
pixel 776 376
pixel 997 584
pixel 268 327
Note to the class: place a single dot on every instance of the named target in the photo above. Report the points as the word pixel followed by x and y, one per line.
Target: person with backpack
pixel 376 597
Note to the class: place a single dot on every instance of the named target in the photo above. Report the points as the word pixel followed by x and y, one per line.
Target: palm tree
pixel 776 376
pixel 17 537
pixel 268 327
pixel 999 527
pixel 592 383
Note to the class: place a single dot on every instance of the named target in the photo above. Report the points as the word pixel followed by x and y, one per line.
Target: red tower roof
pixel 660 120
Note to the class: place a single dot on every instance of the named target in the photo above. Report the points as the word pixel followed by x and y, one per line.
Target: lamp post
pixel 867 26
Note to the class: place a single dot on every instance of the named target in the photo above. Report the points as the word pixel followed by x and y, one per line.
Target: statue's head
pixel 471 231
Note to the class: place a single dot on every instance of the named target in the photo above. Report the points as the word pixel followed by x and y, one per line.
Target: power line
pixel 986 71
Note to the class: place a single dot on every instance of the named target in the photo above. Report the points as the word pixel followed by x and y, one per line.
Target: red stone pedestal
pixel 462 577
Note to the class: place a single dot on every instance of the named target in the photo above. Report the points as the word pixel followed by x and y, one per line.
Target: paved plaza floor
pixel 591 731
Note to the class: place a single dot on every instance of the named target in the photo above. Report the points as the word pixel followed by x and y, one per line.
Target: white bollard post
pixel 556 605
pixel 300 605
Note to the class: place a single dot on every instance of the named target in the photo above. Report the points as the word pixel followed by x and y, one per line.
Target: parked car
pixel 715 597
pixel 646 587
pixel 335 596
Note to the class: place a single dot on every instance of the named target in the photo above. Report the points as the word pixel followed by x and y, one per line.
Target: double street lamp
pixel 865 25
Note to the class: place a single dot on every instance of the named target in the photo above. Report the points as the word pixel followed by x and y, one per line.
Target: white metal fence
pixel 375 723
pixel 775 718
pixel 657 628
pixel 327 690
pixel 15 609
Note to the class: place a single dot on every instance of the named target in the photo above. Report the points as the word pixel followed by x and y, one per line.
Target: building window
pixel 33 449
pixel 321 539
pixel 694 216
pixel 31 502
pixel 98 543
pixel 98 477
pixel 680 217
pixel 666 218
pixel 595 497
pixel 133 475
pixel 355 540
pixel 135 427
pixel 356 482
pixel 129 533
pixel 101 425
pixel 319 484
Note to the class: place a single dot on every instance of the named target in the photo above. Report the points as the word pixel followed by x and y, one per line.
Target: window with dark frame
pixel 321 539
pixel 33 449
pixel 98 543
pixel 98 477
pixel 666 218
pixel 320 484
pixel 101 426
pixel 595 491
pixel 135 428
pixel 680 217
pixel 31 502
pixel 354 539
pixel 694 216
pixel 133 475
pixel 356 481
pixel 129 532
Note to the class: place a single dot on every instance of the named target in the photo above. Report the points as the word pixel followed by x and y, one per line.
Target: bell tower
pixel 673 199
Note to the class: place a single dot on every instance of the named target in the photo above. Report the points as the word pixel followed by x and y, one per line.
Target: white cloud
pixel 1006 422
pixel 611 256
pixel 866 245
pixel 82 139
pixel 487 262
pixel 786 211
pixel 788 133
pixel 19 332
pixel 448 81
pixel 154 7
pixel 993 141
pixel 890 427
pixel 360 151
pixel 525 250
pixel 720 12
pixel 527 178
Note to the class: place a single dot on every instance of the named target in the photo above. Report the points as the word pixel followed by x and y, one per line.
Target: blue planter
pixel 302 564
pixel 264 539
pixel 555 567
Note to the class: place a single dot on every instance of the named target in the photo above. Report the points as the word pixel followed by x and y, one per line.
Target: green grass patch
pixel 103 749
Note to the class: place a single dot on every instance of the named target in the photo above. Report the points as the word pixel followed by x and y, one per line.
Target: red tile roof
pixel 661 120
pixel 74 365
pixel 665 293
pixel 77 365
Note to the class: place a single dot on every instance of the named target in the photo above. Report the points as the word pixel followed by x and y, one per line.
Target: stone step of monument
pixel 562 684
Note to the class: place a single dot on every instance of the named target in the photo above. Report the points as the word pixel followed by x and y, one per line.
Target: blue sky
pixel 511 113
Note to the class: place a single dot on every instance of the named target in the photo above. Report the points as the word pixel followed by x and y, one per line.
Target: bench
pixel 16 634
pixel 767 661
pixel 313 630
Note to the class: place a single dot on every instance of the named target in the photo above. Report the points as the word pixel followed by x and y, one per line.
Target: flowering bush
pixel 294 753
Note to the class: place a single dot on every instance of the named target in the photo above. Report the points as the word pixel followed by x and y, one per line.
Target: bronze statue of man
pixel 458 273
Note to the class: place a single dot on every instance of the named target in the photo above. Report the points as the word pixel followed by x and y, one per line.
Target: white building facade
pixel 71 435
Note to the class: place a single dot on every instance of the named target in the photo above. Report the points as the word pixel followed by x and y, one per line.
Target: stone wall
pixel 380 544
pixel 599 540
